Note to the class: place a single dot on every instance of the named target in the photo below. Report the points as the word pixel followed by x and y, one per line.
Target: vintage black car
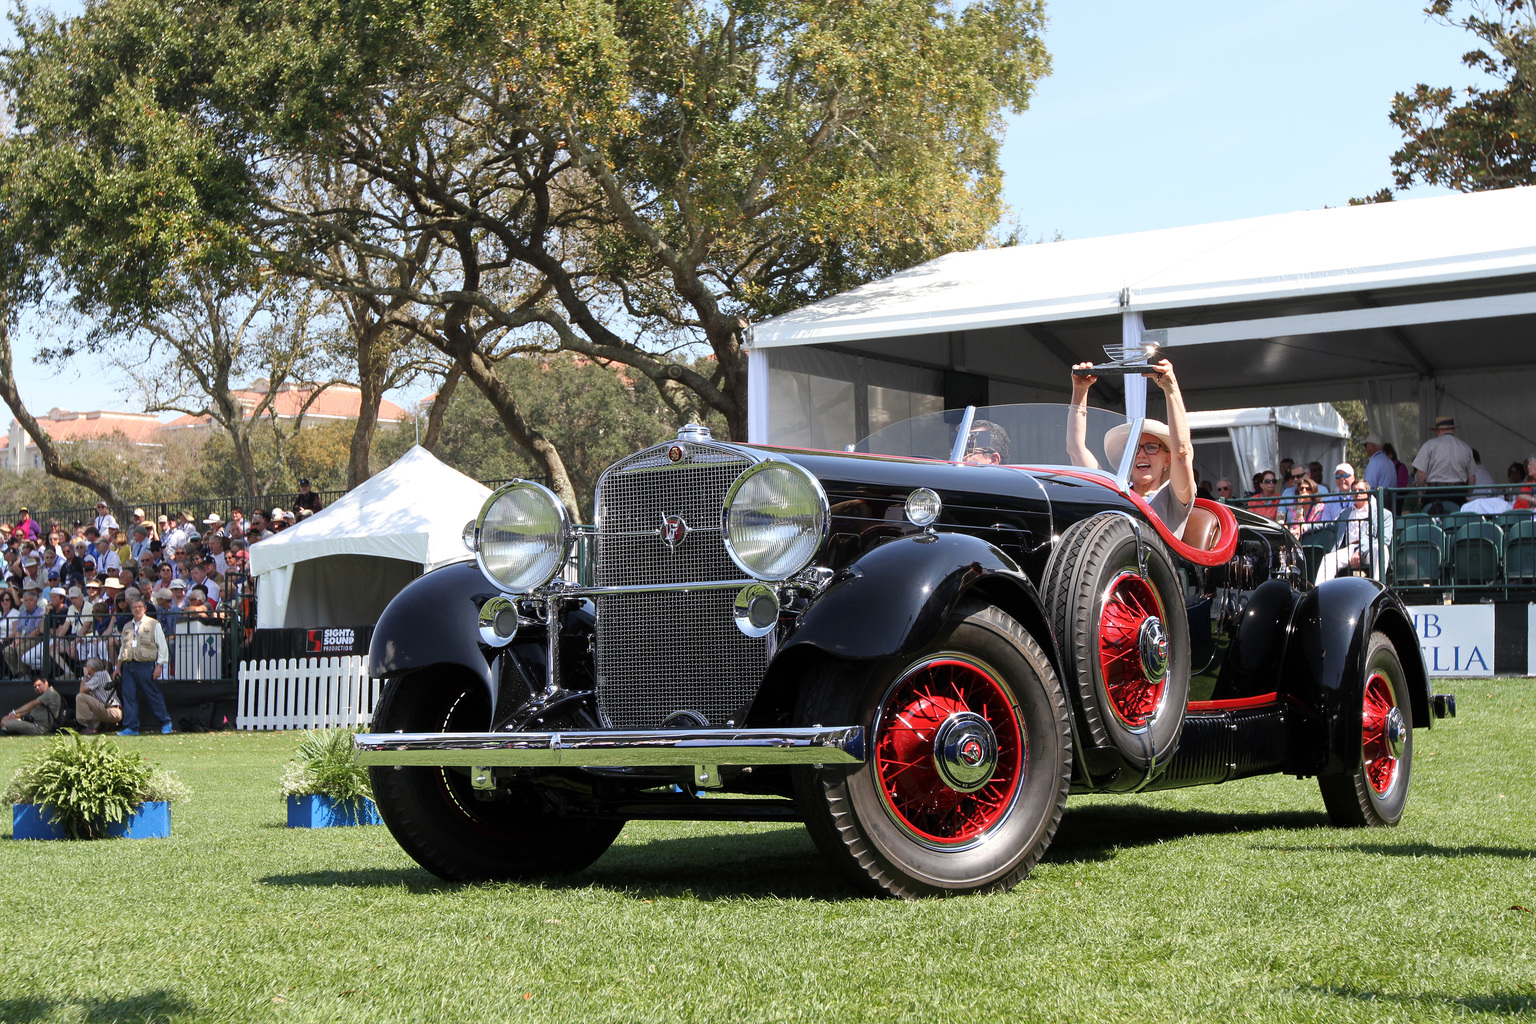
pixel 917 656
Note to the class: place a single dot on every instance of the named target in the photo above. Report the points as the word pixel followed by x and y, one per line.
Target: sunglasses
pixel 1223 488
pixel 1341 476
pixel 1267 480
pixel 1298 476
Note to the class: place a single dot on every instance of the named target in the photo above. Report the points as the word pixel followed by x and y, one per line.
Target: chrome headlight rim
pixel 824 512
pixel 563 546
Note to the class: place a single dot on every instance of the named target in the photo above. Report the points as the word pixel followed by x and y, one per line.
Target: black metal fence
pixel 1432 544
pixel 204 648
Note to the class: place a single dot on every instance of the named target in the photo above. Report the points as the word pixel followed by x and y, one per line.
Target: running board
pixel 614 748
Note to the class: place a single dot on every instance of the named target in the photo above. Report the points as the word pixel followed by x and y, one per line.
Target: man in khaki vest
pixel 141 662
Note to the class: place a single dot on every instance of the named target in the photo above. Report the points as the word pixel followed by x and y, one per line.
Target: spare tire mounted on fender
pixel 1117 608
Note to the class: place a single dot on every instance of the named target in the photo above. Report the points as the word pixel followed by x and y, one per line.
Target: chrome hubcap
pixel 1396 732
pixel 965 751
pixel 1153 642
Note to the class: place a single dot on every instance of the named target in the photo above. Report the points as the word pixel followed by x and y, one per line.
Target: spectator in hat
pixel 1335 505
pixel 1361 535
pixel 213 525
pixel 26 527
pixel 1445 460
pixel 276 519
pixel 176 537
pixel 164 609
pixel 178 590
pixel 307 498
pixel 104 519
pixel 97 704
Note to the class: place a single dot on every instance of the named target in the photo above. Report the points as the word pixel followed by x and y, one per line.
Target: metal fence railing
pixel 204 648
pixel 1433 544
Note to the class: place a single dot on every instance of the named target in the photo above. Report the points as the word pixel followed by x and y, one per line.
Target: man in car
pixel 987 444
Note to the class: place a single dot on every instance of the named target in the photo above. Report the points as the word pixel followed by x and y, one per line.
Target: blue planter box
pixel 323 812
pixel 150 820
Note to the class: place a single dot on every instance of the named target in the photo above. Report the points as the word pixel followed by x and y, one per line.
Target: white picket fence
pixel 305 693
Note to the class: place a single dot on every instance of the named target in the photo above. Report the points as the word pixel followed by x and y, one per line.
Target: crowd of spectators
pixel 67 592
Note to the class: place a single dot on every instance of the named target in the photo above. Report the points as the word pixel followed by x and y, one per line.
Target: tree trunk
pixel 370 381
pixel 75 473
pixel 439 408
pixel 482 374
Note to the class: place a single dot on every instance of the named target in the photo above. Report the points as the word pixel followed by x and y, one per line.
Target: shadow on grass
pixel 1502 1003
pixel 417 880
pixel 156 1005
pixel 1097 833
pixel 1411 850
pixel 781 863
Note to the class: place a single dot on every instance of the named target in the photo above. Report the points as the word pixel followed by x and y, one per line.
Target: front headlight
pixel 522 536
pixel 775 518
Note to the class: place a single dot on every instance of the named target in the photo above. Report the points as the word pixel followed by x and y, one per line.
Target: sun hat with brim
pixel 1114 439
pixel 113 583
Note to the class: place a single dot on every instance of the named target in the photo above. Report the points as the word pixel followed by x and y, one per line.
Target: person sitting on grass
pixel 37 717
pixel 97 704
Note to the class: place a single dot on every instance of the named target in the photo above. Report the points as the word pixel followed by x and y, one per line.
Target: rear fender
pixel 1325 664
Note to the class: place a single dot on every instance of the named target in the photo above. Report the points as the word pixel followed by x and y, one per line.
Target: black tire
pixel 988 836
pixel 1094 592
pixel 1375 793
pixel 437 817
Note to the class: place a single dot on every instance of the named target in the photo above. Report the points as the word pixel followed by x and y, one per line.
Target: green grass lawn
pixel 1207 904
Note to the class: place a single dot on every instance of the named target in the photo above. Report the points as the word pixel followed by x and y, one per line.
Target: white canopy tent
pixel 1237 443
pixel 1417 308
pixel 341 566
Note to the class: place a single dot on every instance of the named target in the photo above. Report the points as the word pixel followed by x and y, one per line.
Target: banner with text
pixel 1457 639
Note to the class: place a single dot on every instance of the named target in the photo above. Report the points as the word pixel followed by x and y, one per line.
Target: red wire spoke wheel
pixel 1374 791
pixel 949 752
pixel 969 759
pixel 1382 734
pixel 1133 649
pixel 1116 604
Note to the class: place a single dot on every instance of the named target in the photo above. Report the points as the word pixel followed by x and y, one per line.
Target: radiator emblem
pixel 675 453
pixel 673 530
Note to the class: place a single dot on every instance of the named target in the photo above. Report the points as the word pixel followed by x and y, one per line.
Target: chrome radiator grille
pixel 669 651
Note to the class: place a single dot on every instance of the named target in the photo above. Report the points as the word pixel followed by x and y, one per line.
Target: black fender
pixel 435 621
pixel 895 598
pixel 1330 631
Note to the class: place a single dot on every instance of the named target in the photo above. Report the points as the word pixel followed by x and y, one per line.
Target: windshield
pixel 1030 435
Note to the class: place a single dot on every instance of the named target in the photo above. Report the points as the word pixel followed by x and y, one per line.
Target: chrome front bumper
pixel 613 748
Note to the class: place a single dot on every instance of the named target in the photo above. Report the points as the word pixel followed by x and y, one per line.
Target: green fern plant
pixel 326 765
pixel 90 784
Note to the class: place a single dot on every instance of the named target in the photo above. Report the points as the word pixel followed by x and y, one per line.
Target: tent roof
pixel 1282 257
pixel 414 511
pixel 1318 418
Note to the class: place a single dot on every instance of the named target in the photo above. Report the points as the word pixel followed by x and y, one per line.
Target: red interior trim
pixel 1235 703
pixel 1224 550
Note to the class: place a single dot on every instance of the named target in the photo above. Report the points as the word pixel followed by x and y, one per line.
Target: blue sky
pixel 1157 115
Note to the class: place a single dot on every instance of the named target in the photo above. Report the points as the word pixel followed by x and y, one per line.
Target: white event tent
pixel 341 566
pixel 1417 308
